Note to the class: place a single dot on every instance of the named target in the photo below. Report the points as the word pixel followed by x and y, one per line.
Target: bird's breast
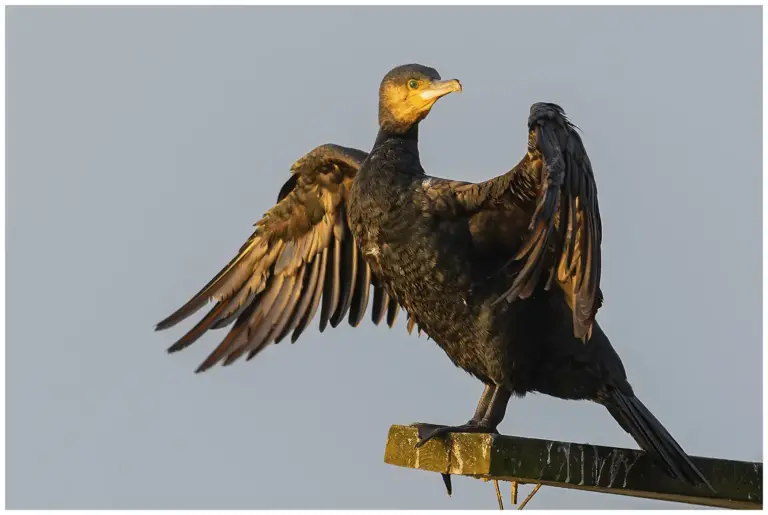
pixel 426 263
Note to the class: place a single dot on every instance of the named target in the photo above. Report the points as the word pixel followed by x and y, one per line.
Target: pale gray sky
pixel 144 142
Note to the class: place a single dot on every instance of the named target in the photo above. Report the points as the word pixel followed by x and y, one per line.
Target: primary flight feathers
pixel 300 257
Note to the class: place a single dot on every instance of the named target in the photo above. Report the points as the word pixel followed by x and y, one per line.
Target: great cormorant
pixel 503 275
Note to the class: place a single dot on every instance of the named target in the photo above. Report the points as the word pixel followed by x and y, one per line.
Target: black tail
pixel 651 436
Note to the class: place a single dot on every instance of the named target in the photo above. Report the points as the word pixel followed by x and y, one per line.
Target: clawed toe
pixel 426 430
pixel 430 431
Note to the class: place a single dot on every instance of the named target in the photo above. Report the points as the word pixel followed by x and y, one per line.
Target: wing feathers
pixel 564 235
pixel 362 291
pixel 289 308
pixel 302 299
pixel 200 328
pixel 393 309
pixel 331 291
pixel 227 319
pixel 301 256
pixel 380 303
pixel 223 283
pixel 348 272
pixel 260 320
pixel 310 313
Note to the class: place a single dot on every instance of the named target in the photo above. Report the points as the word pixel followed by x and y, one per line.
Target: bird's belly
pixel 437 286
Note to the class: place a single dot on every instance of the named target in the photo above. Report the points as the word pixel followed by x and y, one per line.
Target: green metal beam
pixel 738 484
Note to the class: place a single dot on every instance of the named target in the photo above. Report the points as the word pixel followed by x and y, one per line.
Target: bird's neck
pixel 406 139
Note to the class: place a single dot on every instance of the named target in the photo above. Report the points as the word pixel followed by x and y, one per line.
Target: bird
pixel 503 275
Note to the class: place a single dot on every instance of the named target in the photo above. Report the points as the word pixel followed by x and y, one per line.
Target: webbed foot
pixel 430 431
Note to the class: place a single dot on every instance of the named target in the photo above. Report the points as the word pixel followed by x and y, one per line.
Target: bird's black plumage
pixel 503 275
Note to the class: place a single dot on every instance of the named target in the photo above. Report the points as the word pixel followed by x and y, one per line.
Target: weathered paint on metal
pixel 738 484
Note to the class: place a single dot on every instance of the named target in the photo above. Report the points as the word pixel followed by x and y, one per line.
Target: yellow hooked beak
pixel 440 88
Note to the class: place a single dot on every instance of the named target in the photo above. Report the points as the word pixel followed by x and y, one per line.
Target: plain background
pixel 144 142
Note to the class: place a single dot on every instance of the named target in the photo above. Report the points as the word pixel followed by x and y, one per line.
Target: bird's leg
pixel 488 415
pixel 496 409
pixel 482 406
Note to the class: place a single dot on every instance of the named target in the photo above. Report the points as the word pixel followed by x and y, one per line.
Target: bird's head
pixel 407 93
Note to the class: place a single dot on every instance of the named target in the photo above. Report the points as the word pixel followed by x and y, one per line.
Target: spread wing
pixel 566 220
pixel 300 258
pixel 554 187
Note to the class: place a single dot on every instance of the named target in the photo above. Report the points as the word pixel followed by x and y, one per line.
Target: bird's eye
pixel 413 84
